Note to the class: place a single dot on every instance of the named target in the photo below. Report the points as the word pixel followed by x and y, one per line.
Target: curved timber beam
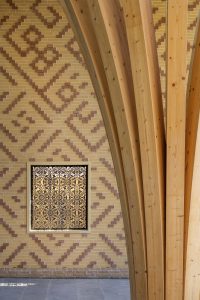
pixel 113 86
pixel 108 24
pixel 144 62
pixel 192 175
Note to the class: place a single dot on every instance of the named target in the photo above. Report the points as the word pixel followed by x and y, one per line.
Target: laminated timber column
pixel 144 62
pixel 108 24
pixel 192 175
pixel 192 271
pixel 127 162
pixel 176 114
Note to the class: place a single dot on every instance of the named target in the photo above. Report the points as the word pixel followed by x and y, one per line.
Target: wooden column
pixel 144 62
pixel 108 24
pixel 176 114
pixel 111 76
pixel 192 178
pixel 192 271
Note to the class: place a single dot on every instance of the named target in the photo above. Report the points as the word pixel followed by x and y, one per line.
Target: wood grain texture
pixel 114 82
pixel 108 25
pixel 176 114
pixel 192 119
pixel 141 40
pixel 192 175
pixel 192 271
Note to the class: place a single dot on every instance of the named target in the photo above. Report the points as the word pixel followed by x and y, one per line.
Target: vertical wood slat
pixel 80 20
pixel 192 175
pixel 108 25
pixel 192 271
pixel 192 119
pixel 176 114
pixel 144 61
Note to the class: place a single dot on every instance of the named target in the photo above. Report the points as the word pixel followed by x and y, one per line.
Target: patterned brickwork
pixel 49 112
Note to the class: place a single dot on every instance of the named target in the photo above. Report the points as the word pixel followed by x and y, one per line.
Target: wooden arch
pixel 105 38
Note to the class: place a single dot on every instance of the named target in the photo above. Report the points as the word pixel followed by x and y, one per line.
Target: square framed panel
pixel 58 197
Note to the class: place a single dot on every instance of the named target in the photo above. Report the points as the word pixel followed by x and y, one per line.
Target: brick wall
pixel 49 112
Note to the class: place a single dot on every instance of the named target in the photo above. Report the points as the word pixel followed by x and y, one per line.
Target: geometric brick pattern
pixel 49 112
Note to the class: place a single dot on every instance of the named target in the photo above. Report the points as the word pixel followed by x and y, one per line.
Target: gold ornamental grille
pixel 58 197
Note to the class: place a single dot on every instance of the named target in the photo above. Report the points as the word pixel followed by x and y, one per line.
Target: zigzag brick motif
pixel 14 254
pixel 97 127
pixel 49 140
pixel 21 190
pixel 15 198
pixel 41 112
pixel 3 247
pixel 14 178
pixel 3 95
pixel 95 205
pixel 49 112
pixel 55 15
pixel 75 51
pixel 110 243
pixel 91 264
pixel 109 186
pixel 107 165
pixel 76 150
pixel 193 5
pixel 40 244
pixel 8 76
pixel 106 211
pixel 8 228
pixel 76 130
pixel 22 264
pixel 85 252
pixel 67 253
pixel 3 171
pixel 32 140
pixel 21 113
pixel 59 243
pixel 8 209
pixel 51 237
pixel 65 158
pixel 120 236
pixel 63 31
pixel 16 123
pixel 115 220
pixel 14 102
pixel 109 261
pixel 8 37
pixel 29 119
pixel 100 196
pixel 3 20
pixel 12 4
pixel 39 261
pixel 7 152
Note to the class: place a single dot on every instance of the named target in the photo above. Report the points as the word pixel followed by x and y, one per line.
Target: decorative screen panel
pixel 58 197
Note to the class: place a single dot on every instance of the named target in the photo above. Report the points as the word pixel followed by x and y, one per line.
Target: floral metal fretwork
pixel 58 197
